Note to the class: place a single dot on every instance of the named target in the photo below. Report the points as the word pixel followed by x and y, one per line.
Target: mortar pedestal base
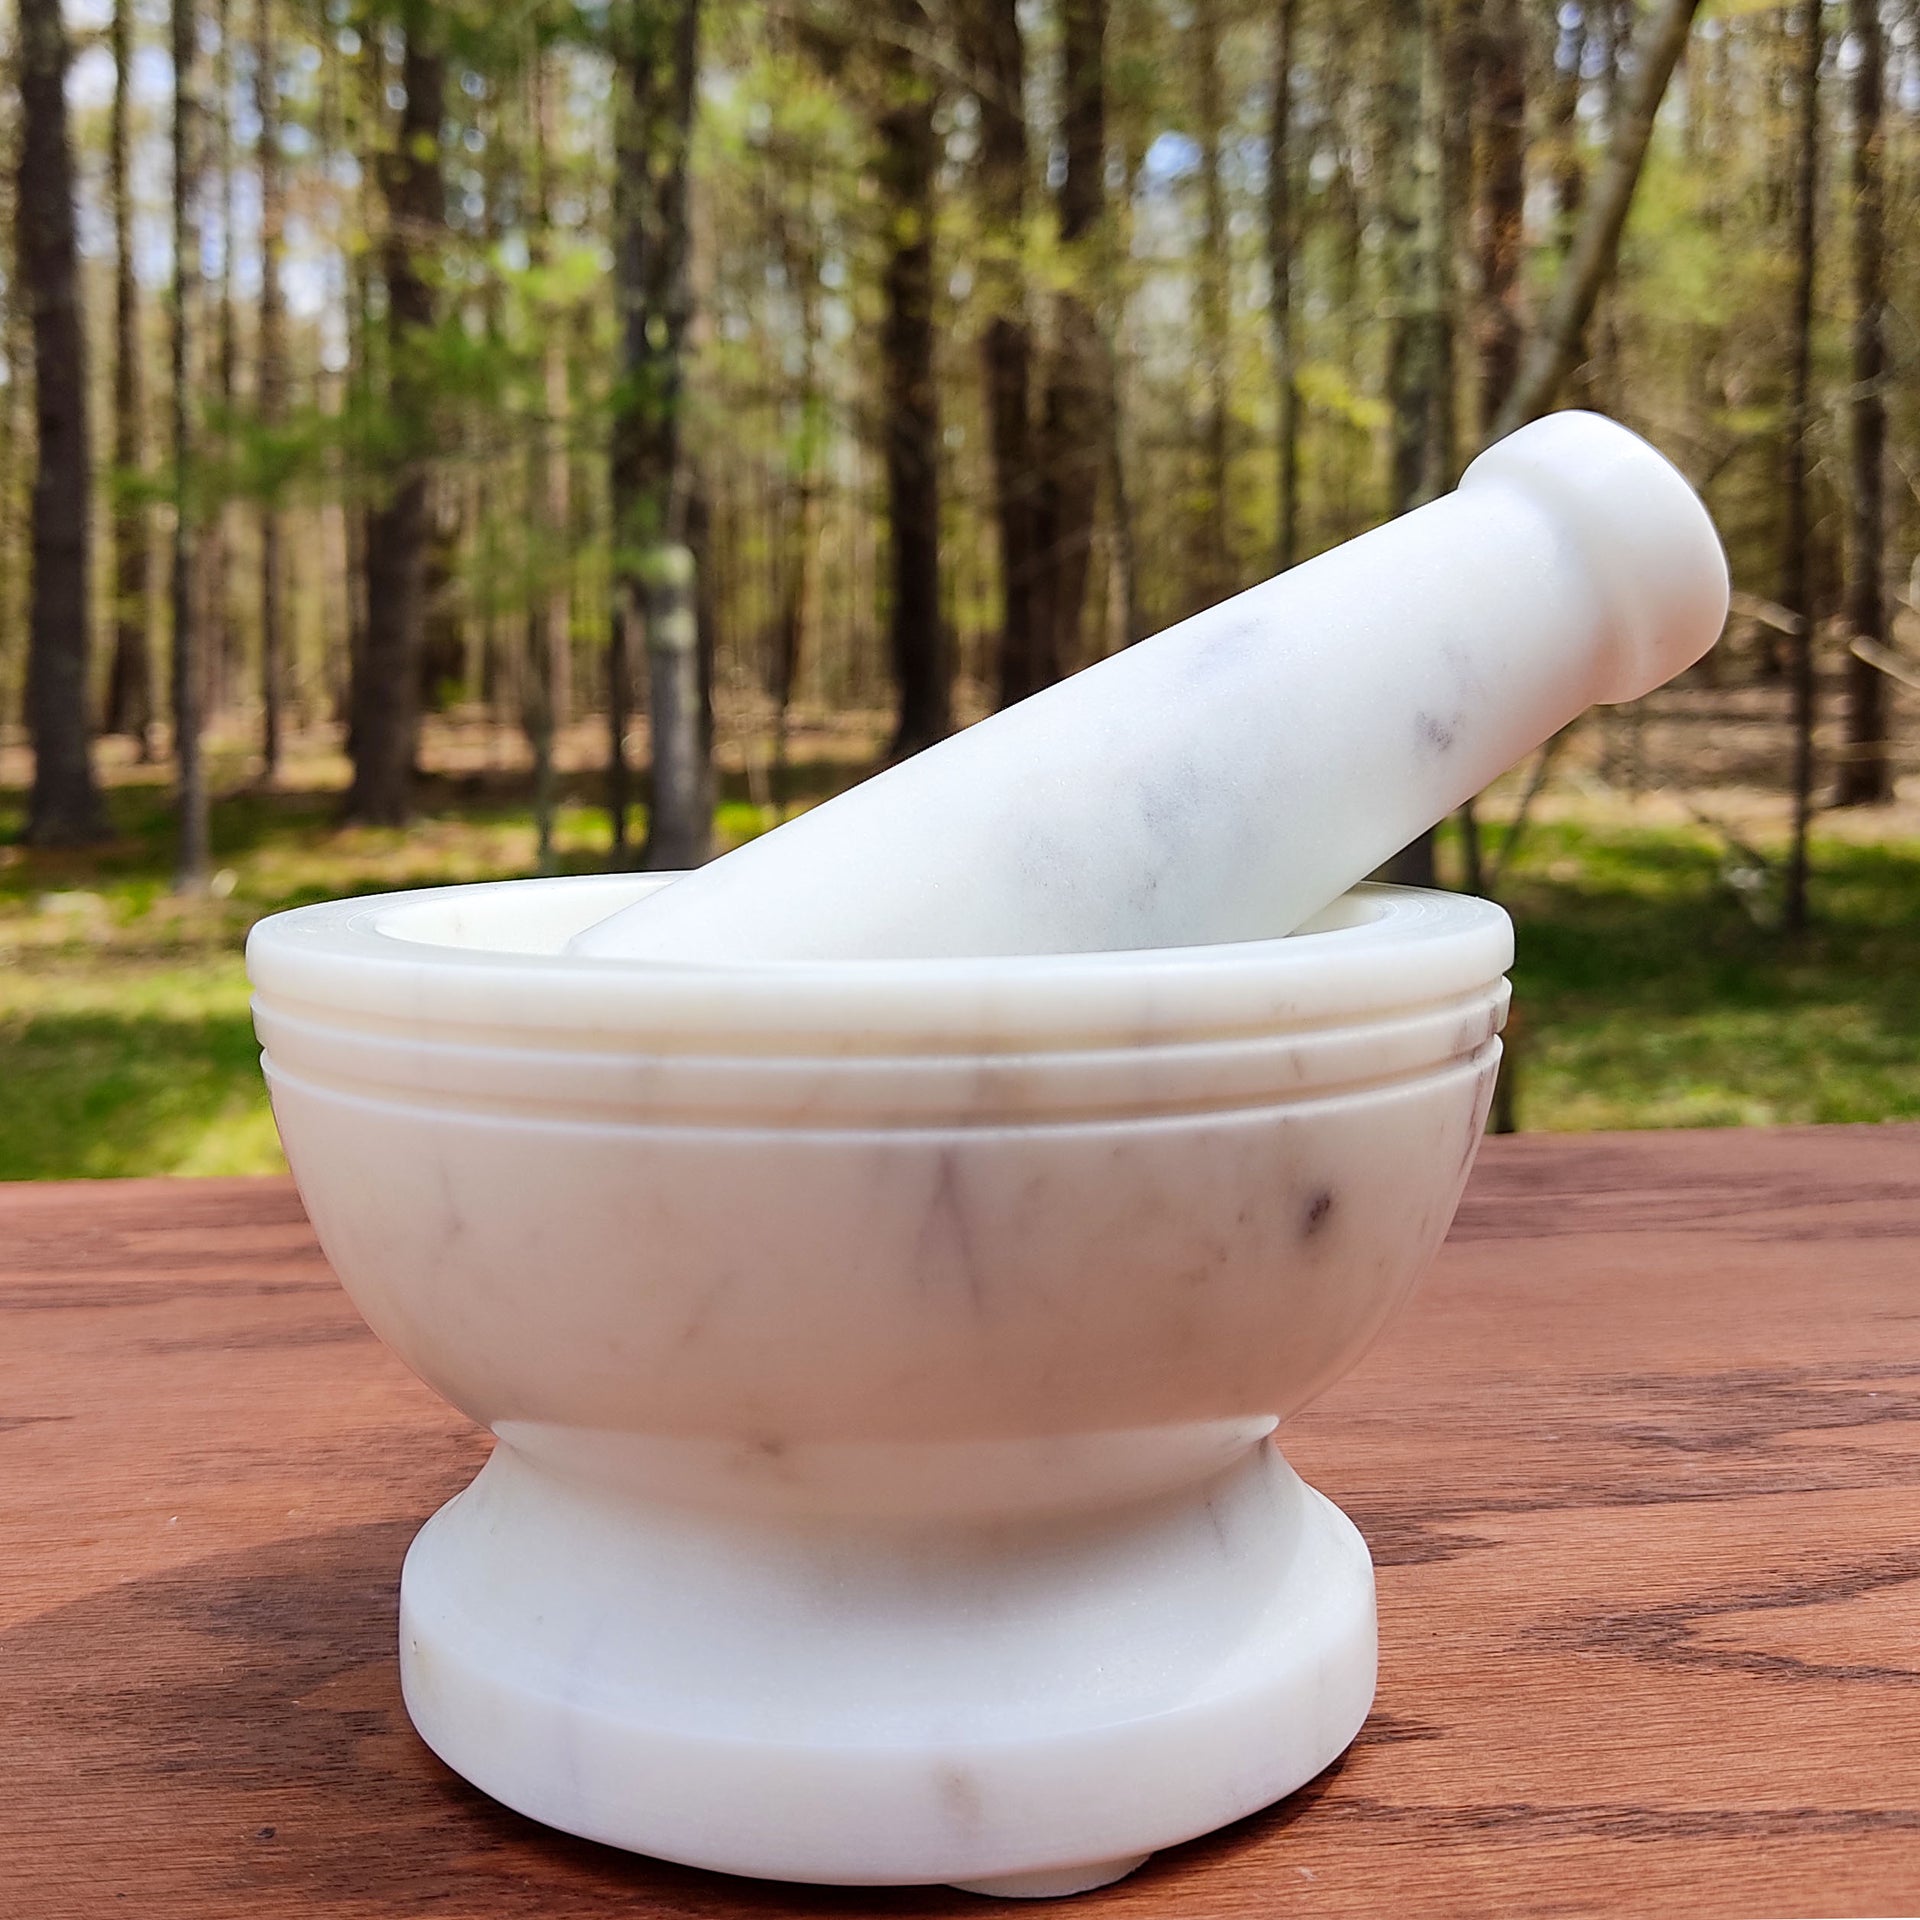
pixel 1025 1706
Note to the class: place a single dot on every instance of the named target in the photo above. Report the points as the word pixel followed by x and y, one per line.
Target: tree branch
pixel 1554 351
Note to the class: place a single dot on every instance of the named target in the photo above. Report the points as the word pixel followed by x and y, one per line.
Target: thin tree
pixel 1502 95
pixel 1409 163
pixel 346 107
pixel 550 622
pixel 1569 34
pixel 1073 424
pixel 1130 136
pixel 16 402
pixel 1436 296
pixel 272 377
pixel 1214 288
pixel 656 58
pixel 996 53
pixel 1421 345
pixel 129 707
pixel 222 636
pixel 190 872
pixel 1704 156
pixel 800 243
pixel 1282 239
pixel 1796 572
pixel 1555 349
pixel 1500 61
pixel 386 678
pixel 64 808
pixel 906 168
pixel 1865 776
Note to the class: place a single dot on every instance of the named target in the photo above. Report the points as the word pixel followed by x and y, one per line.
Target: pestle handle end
pixel 1649 543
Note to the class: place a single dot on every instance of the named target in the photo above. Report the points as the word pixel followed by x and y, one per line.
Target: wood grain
pixel 1640 1468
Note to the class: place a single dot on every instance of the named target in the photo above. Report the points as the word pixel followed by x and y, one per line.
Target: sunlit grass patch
pixel 114 1066
pixel 126 1046
pixel 1650 989
pixel 1650 994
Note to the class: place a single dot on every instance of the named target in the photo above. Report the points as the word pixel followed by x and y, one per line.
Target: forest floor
pixel 1654 987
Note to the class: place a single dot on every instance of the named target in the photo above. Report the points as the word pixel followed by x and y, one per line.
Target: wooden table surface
pixel 1640 1469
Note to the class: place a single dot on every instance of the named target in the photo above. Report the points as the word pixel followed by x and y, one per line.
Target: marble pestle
pixel 1229 778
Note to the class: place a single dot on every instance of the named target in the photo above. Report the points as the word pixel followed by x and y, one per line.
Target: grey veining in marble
pixel 1232 776
pixel 884 1358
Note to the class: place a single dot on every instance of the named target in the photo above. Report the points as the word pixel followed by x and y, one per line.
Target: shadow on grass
pixel 1650 995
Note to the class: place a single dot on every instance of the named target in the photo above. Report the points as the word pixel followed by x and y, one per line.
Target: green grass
pixel 121 1066
pixel 1650 991
pixel 126 1046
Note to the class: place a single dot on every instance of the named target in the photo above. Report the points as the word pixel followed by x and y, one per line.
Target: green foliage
pixel 1648 994
pixel 1325 389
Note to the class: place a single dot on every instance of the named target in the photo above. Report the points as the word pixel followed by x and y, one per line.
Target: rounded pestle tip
pixel 1648 543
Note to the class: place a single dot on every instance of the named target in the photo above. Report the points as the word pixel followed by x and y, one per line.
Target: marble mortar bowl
pixel 883 1357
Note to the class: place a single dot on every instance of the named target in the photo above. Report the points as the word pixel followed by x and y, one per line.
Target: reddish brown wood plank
pixel 1641 1470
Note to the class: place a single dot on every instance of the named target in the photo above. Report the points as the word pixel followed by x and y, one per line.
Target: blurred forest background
pixel 443 440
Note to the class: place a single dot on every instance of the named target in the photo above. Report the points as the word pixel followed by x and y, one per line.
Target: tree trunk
pixel 550 622
pixel 442 656
pixel 706 614
pixel 1564 143
pixel 997 57
pixel 619 716
pixel 189 669
pixel 1500 75
pixel 907 165
pixel 272 376
pixel 1347 219
pixel 679 835
pixel 1555 349
pixel 222 636
pixel 1425 221
pixel 130 674
pixel 1503 193
pixel 557 374
pixel 1408 163
pixel 558 511
pixel 1865 777
pixel 1422 349
pixel 1214 286
pixel 1796 583
pixel 386 689
pixel 1444 97
pixel 1402 139
pixel 15 437
pixel 1073 437
pixel 1608 29
pixel 1703 154
pixel 1127 617
pixel 656 55
pixel 1281 241
pixel 1126 554
pixel 800 521
pixel 64 809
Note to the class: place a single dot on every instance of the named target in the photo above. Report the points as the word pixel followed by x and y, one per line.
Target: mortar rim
pixel 1412 949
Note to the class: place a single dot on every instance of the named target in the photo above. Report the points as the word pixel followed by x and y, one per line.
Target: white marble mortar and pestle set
pixel 885 1255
